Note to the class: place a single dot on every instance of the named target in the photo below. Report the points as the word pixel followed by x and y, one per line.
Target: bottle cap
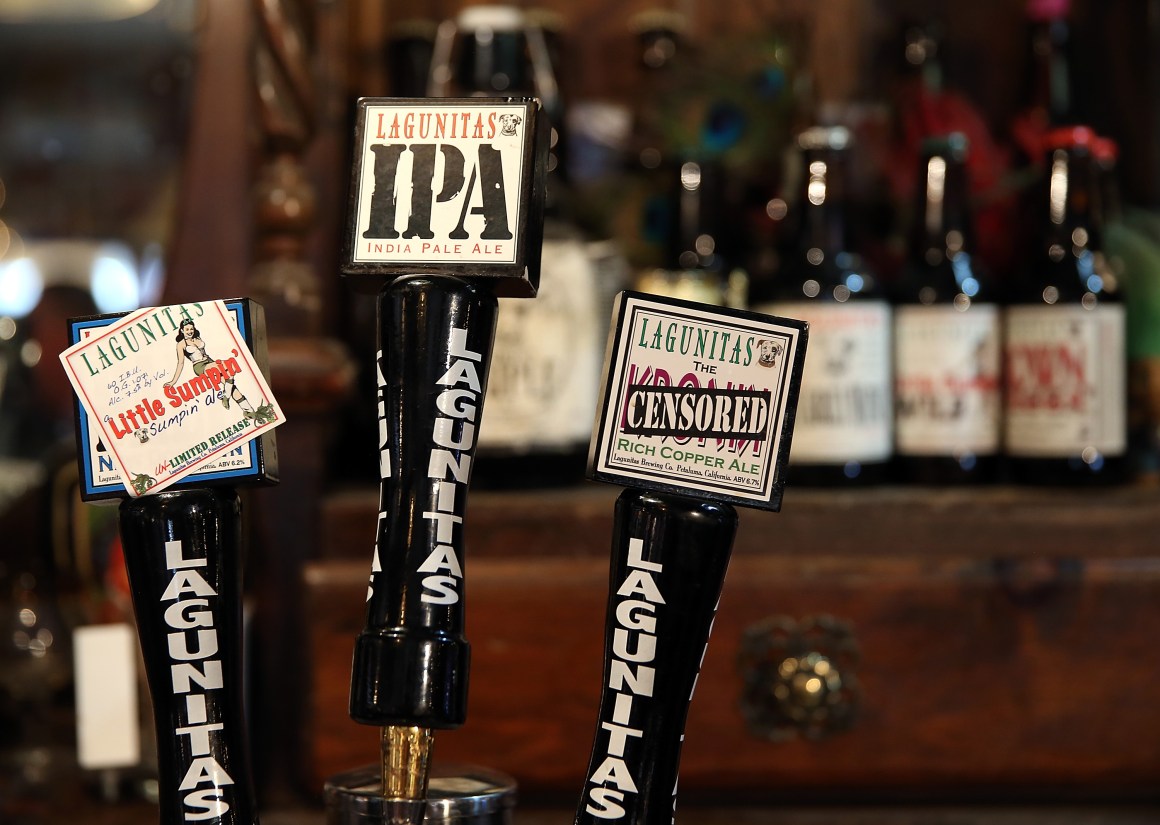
pixel 1105 150
pixel 1068 137
pixel 456 795
pixel 1045 10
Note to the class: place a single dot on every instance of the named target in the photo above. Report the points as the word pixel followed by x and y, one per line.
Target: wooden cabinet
pixel 990 644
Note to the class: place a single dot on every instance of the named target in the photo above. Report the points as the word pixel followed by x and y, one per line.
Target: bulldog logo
pixel 508 124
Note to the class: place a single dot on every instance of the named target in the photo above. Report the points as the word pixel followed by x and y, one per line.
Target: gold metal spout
pixel 406 764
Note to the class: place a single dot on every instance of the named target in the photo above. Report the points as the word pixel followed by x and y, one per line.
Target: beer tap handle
pixel 183 541
pixel 669 557
pixel 411 660
pixel 183 556
pixel 447 208
pixel 696 416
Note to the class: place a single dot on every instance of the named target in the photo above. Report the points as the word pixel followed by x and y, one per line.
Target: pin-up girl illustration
pixel 190 347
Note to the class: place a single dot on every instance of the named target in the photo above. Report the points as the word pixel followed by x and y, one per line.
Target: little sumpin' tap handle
pixel 697 413
pixel 182 544
pixel 447 202
pixel 183 554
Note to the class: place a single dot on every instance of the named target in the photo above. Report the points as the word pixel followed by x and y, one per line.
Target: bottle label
pixel 1066 381
pixel 947 368
pixel 545 367
pixel 844 413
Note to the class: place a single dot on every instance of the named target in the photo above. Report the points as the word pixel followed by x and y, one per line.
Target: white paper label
pixel 947 374
pixel 1066 381
pixel 171 390
pixel 440 184
pixel 108 725
pixel 697 398
pixel 845 410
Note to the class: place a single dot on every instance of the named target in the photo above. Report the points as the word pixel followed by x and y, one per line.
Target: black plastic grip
pixel 183 556
pixel 411 660
pixel 669 559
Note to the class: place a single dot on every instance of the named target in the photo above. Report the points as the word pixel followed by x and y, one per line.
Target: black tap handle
pixel 669 556
pixel 411 659
pixel 183 556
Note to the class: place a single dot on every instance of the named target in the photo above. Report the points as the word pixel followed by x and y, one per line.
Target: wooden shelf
pixel 987 522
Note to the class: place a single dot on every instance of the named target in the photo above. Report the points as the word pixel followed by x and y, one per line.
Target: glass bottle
pixel 544 379
pixel 695 268
pixel 408 56
pixel 1065 345
pixel 844 429
pixel 947 349
pixel 1047 96
pixel 660 47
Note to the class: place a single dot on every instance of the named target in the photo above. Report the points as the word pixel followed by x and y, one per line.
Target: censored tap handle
pixel 669 556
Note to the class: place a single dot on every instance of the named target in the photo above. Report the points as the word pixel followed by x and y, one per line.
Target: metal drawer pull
pixel 799 678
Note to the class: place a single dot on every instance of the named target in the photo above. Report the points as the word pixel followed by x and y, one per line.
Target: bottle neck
pixel 942 226
pixel 495 64
pixel 1050 76
pixel 1073 217
pixel 823 222
pixel 698 202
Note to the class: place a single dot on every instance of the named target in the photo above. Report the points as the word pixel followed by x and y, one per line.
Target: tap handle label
pixel 448 186
pixel 176 395
pixel 698 400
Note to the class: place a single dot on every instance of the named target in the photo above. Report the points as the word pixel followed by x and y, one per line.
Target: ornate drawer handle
pixel 799 678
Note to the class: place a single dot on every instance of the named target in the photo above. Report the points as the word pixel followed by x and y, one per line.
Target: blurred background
pixel 901 636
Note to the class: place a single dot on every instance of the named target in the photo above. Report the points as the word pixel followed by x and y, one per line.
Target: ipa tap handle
pixel 411 659
pixel 447 209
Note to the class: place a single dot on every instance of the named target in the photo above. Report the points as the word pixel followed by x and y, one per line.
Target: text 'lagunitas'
pixel 195 671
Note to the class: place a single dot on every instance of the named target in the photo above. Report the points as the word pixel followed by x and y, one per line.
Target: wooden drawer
pixel 1015 676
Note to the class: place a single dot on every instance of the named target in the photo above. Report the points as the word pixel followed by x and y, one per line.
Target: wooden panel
pixel 971 688
pixel 988 523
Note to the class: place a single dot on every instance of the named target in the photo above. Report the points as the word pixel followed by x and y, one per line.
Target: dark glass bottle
pixel 410 44
pixel 1065 345
pixel 947 349
pixel 844 429
pixel 544 379
pixel 694 268
pixel 659 48
pixel 1047 96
